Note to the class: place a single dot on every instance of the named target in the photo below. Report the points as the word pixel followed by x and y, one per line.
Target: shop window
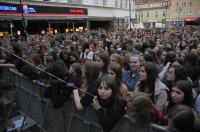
pixel 164 13
pixel 156 13
pixel 147 14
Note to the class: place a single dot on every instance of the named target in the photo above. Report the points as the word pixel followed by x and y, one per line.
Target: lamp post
pixel 130 12
pixel 23 19
pixel 11 29
pixel 165 6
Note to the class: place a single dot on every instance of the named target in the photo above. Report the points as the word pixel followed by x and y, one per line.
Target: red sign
pixel 76 11
pixel 191 19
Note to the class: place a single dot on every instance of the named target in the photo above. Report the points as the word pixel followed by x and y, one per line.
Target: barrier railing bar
pixel 68 84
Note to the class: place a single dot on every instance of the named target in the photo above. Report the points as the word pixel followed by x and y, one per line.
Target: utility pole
pixel 130 12
pixel 23 19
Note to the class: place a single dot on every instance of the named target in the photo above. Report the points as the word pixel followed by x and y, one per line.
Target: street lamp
pixel 23 19
pixel 165 5
pixel 130 12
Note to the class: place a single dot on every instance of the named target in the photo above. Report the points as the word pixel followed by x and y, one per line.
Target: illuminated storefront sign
pixel 56 10
pixel 78 11
pixel 6 8
pixel 28 9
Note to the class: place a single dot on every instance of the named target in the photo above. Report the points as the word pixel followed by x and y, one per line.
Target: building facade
pixel 152 12
pixel 62 14
pixel 181 10
pixel 166 13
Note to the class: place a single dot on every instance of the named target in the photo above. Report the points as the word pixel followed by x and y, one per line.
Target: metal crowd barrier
pixel 29 98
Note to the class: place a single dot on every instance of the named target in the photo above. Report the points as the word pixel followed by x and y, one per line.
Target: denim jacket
pixel 131 81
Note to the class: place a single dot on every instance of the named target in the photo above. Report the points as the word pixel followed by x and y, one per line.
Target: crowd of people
pixel 149 75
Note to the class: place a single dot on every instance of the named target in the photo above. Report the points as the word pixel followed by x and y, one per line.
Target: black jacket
pixel 108 118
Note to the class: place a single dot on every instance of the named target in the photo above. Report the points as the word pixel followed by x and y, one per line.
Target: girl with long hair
pixel 91 73
pixel 115 71
pixel 109 106
pixel 150 84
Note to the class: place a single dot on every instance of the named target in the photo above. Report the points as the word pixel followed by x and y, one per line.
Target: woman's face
pixel 112 60
pixel 80 48
pixel 111 73
pixel 171 74
pixel 134 63
pixel 183 43
pixel 99 62
pixel 177 95
pixel 143 74
pixel 104 91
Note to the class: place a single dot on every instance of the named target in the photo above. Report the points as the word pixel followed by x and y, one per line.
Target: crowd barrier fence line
pixel 28 96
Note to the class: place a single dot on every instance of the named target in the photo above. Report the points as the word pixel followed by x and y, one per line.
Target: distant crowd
pixel 148 75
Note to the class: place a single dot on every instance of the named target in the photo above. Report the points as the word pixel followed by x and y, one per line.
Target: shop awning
pixel 191 19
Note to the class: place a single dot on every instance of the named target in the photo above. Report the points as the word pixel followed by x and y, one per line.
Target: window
pixel 189 4
pixel 164 13
pixel 147 14
pixel 189 13
pixel 121 3
pixel 70 1
pixel 126 4
pixel 78 1
pixel 104 3
pixel 177 13
pixel 183 3
pixel 183 13
pixel 116 3
pixel 141 15
pixel 178 4
pixel 156 13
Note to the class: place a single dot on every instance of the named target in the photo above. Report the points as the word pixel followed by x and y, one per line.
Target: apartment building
pixel 152 12
pixel 165 13
pixel 183 10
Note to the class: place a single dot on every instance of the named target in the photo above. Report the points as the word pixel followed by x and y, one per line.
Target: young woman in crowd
pixel 115 71
pixel 192 66
pixel 181 57
pixel 102 60
pixel 181 119
pixel 140 109
pixel 116 58
pixel 91 72
pixel 176 73
pixel 109 106
pixel 150 84
pixel 181 93
pixel 131 77
pixel 161 57
pixel 75 73
pixel 169 59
